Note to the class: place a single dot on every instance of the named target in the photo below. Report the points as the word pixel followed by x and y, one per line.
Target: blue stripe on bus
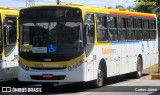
pixel 132 42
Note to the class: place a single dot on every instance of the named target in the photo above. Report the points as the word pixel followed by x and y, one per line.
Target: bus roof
pixel 94 9
pixel 8 10
pixel 129 13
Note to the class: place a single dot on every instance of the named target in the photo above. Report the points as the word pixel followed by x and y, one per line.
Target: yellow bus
pixel 8 43
pixel 76 43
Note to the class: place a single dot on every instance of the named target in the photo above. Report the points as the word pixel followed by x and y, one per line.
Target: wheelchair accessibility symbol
pixel 52 48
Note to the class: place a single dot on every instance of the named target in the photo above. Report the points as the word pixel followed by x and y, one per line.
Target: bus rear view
pixel 51 44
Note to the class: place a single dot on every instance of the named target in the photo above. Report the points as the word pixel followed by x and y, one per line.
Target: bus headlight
pixel 74 66
pixel 24 66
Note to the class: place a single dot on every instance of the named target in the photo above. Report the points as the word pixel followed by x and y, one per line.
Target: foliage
pixel 130 8
pixel 145 8
pixel 119 6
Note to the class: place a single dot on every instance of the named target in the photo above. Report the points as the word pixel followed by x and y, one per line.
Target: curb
pixel 155 76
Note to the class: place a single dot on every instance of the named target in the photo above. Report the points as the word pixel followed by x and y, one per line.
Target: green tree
pixel 131 8
pixel 119 6
pixel 150 8
pixel 141 6
pixel 110 7
pixel 157 6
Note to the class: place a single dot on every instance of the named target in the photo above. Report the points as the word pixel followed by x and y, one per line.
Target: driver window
pixel 89 21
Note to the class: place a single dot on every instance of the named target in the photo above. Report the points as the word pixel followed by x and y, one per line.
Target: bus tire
pixel 47 85
pixel 100 78
pixel 138 73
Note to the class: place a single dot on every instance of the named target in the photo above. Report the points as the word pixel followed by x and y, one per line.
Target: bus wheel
pixel 138 73
pixel 100 78
pixel 47 85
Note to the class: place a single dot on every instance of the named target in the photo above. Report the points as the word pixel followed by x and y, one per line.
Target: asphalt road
pixel 113 86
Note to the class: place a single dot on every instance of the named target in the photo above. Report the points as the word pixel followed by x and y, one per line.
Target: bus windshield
pixel 53 37
pixel 51 32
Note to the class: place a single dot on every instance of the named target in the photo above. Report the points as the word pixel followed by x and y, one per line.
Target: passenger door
pixel 90 49
pixel 10 60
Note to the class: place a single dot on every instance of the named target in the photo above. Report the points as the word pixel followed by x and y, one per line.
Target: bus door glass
pixel 9 34
pixel 0 35
pixel 89 31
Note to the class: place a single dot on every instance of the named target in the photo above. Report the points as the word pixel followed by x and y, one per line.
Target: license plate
pixel 47 76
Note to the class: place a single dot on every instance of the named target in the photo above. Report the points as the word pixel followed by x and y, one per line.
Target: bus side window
pixel 138 29
pixel 102 31
pixel 145 26
pixel 130 29
pixel 112 28
pixel 121 28
pixel 152 29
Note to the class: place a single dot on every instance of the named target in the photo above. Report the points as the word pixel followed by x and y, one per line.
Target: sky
pixel 97 3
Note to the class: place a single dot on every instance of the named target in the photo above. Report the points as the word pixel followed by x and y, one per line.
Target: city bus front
pixel 51 44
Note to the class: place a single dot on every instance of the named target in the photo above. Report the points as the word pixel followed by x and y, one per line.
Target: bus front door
pixel 10 59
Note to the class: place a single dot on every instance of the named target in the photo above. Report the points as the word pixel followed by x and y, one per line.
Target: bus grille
pixel 48 68
pixel 59 77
